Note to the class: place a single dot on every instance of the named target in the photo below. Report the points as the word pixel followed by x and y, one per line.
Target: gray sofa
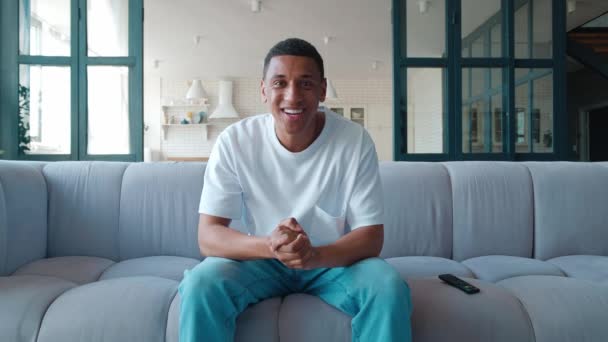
pixel 94 251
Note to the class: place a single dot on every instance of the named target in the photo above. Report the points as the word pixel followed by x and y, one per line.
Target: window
pixel 76 80
pixel 497 89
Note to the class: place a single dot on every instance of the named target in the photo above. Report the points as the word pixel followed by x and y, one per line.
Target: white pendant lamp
pixel 196 92
pixel 330 93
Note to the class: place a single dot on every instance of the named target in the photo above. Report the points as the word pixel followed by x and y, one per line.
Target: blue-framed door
pixel 78 63
pixel 458 67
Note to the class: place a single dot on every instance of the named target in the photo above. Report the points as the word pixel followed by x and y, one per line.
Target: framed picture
pixel 536 125
pixel 497 126
pixel 357 114
pixel 520 122
pixel 474 125
pixel 338 110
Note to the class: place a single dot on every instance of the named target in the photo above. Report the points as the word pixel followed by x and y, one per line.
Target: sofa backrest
pixel 417 209
pixel 23 211
pixel 159 209
pixel 571 208
pixel 84 208
pixel 453 210
pixel 492 209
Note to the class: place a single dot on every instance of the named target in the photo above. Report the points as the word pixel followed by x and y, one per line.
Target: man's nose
pixel 293 92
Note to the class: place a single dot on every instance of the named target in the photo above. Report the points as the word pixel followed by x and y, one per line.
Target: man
pixel 295 178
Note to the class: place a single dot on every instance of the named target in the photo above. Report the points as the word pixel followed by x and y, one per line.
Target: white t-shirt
pixel 332 184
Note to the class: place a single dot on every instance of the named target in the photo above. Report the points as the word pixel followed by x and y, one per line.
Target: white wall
pixel 375 95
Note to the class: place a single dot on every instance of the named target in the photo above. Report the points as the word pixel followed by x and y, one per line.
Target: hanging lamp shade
pixel 196 91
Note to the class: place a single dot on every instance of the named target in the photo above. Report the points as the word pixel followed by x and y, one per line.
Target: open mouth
pixel 293 113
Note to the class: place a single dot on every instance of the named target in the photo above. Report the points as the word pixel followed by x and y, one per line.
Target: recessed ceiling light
pixel 256 6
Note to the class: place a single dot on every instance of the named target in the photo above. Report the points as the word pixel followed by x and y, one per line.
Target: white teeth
pixel 292 111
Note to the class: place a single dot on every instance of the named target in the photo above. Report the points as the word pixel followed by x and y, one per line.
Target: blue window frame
pixel 78 62
pixel 483 113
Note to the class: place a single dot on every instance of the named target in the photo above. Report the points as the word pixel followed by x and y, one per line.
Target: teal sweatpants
pixel 217 290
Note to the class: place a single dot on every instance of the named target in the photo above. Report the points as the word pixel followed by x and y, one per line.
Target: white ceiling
pixel 234 40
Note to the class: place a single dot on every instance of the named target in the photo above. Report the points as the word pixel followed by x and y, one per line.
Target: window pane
pixel 108 27
pixel 44 109
pixel 542 114
pixel 481 25
pixel 108 110
pixel 543 29
pixel 44 27
pixel 534 111
pixel 425 28
pixel 497 115
pixel 539 42
pixel 425 114
pixel 522 115
pixel 482 111
pixel 496 40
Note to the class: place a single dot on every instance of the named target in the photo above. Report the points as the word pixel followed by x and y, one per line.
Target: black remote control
pixel 459 283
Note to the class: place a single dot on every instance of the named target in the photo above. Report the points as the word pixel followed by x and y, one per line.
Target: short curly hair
pixel 294 47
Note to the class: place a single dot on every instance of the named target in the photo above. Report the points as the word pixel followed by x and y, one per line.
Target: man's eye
pixel 306 84
pixel 278 84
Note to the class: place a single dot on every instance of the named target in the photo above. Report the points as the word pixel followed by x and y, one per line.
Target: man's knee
pixel 207 277
pixel 386 283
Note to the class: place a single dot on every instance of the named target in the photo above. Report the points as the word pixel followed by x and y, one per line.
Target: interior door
pixel 598 135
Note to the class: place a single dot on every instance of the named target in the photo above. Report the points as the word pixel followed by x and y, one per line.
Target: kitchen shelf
pixel 166 128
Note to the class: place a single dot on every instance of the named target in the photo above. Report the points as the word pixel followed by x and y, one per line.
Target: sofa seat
pixel 122 309
pixel 169 267
pixel 494 268
pixel 24 300
pixel 588 267
pixel 328 323
pixel 562 308
pixel 444 313
pixel 426 266
pixel 259 322
pixel 77 269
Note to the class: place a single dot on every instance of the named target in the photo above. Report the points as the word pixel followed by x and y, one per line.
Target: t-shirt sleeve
pixel 222 193
pixel 366 206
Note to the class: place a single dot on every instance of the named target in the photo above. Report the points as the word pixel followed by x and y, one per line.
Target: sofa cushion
pixel 307 318
pixel 79 270
pixel 420 267
pixel 24 301
pixel 23 212
pixel 126 309
pixel 159 210
pixel 588 267
pixel 417 209
pixel 169 267
pixel 257 323
pixel 444 313
pixel 561 308
pixel 570 209
pixel 84 202
pixel 494 268
pixel 493 209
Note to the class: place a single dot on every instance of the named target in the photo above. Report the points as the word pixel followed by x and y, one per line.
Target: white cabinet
pixel 355 113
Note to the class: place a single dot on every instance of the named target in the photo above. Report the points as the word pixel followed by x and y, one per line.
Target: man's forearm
pixel 362 243
pixel 221 241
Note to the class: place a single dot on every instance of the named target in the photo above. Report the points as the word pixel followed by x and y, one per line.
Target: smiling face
pixel 293 87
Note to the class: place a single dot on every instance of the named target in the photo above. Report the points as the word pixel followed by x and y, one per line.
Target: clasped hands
pixel 290 244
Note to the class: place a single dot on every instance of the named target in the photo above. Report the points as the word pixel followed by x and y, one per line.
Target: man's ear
pixel 263 92
pixel 323 90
